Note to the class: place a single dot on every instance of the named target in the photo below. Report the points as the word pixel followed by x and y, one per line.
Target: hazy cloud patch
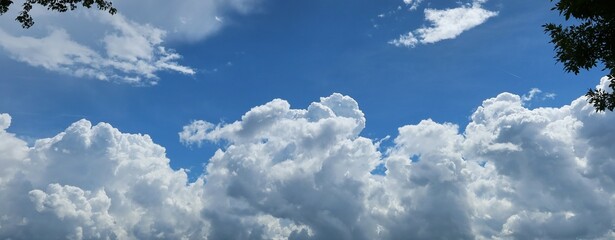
pixel 127 47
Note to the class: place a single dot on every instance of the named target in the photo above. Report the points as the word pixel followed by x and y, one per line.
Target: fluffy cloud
pixel 445 24
pixel 126 47
pixel 94 182
pixel 513 172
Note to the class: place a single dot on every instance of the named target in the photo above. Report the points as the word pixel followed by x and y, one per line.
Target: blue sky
pixel 236 55
pixel 300 51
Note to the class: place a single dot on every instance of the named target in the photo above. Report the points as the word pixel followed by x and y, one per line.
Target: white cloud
pixel 450 23
pixel 407 40
pixel 5 121
pixel 531 94
pixel 126 47
pixel 189 20
pixel 95 182
pixel 195 133
pixel 133 53
pixel 414 4
pixel 446 24
pixel 513 172
pixel 13 151
pixel 534 93
pixel 549 96
pixel 37 52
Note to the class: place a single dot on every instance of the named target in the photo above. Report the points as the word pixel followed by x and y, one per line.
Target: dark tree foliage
pixel 54 5
pixel 588 43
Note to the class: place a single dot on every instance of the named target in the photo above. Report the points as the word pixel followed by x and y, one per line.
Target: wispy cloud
pixel 126 47
pixel 446 24
pixel 536 93
pixel 414 4
pixel 133 53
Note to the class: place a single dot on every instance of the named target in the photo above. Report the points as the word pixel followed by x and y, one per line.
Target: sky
pixel 263 119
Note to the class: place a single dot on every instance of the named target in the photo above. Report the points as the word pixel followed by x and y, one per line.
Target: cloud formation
pixel 413 3
pixel 92 182
pixel 445 24
pixel 133 53
pixel 126 47
pixel 286 173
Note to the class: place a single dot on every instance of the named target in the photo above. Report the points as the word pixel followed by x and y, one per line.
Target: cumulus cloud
pixel 92 182
pixel 445 24
pixel 126 47
pixel 287 173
